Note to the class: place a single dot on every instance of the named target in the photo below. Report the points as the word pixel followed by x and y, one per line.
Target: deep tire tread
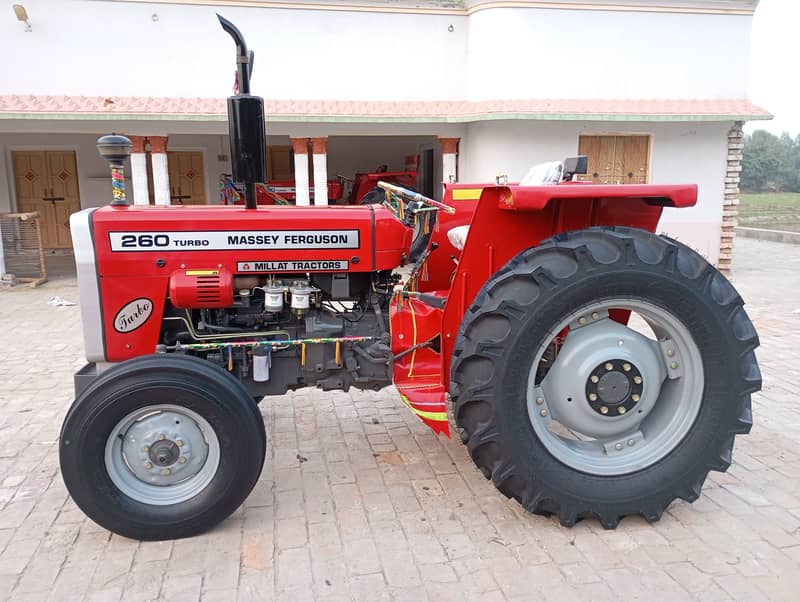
pixel 589 250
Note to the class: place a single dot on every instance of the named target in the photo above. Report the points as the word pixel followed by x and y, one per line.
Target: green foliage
pixel 770 163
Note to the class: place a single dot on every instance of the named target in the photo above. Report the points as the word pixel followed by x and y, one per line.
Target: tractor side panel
pixel 499 230
pixel 417 374
pixel 132 311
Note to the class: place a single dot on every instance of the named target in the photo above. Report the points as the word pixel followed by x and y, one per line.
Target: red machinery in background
pixel 363 189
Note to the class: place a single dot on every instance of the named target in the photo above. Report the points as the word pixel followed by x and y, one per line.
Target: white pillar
pixel 301 192
pixel 158 154
pixel 449 159
pixel 449 167
pixel 2 252
pixel 320 149
pixel 161 179
pixel 141 196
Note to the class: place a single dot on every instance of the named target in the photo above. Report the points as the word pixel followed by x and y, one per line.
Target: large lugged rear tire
pixel 571 411
pixel 162 447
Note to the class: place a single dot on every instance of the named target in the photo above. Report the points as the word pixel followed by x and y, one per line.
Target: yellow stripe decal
pixel 438 416
pixel 467 194
pixel 414 341
pixel 202 272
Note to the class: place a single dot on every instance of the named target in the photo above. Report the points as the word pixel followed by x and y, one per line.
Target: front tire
pixel 571 411
pixel 162 447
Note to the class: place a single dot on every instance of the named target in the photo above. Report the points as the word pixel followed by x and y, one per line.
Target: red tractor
pixel 361 190
pixel 595 369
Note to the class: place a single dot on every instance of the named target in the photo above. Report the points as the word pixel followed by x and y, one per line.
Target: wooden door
pixel 63 176
pixel 187 181
pixel 47 182
pixel 616 159
pixel 280 163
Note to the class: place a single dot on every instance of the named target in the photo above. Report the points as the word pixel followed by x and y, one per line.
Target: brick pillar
pixel 730 205
pixel 449 159
pixel 319 146
pixel 141 196
pixel 158 154
pixel 300 147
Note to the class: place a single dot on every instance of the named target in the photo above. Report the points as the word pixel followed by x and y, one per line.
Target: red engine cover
pixel 197 288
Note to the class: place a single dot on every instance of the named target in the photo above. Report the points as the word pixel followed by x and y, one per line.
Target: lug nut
pixel 166 471
pixel 635 397
pixel 670 352
pixel 603 410
pixel 542 413
pixel 621 410
pixel 595 378
pixel 592 396
pixel 618 447
pixel 595 315
pixel 626 367
pixel 581 320
pixel 674 365
pixel 148 465
pixel 539 401
pixel 182 460
pixel 609 366
pixel 162 437
pixel 179 443
pixel 637 380
pixel 146 448
pixel 631 442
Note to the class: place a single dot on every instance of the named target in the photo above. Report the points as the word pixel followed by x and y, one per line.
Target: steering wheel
pixel 410 195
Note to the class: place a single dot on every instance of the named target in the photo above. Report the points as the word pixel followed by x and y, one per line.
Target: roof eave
pixel 493 116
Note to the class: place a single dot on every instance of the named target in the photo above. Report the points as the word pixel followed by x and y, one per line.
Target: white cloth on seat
pixel 544 174
pixel 458 236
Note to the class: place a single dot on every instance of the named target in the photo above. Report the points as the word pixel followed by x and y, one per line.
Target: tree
pixel 770 163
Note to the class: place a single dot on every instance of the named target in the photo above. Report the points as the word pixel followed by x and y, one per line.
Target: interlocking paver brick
pixel 359 501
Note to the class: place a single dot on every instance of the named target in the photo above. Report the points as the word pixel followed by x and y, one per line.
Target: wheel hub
pixel 164 448
pixel 614 387
pixel 592 386
pixel 164 453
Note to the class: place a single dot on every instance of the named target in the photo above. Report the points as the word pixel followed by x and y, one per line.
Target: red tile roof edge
pixel 140 105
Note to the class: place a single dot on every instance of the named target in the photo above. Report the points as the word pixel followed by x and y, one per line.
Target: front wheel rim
pixel 162 454
pixel 624 405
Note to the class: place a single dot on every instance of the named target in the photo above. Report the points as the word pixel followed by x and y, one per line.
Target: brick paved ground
pixel 380 509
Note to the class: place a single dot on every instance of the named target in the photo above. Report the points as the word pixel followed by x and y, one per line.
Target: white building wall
pixel 174 50
pixel 150 49
pixel 693 153
pixel 548 53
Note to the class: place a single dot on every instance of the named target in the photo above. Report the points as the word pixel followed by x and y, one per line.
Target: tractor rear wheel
pixel 603 373
pixel 162 447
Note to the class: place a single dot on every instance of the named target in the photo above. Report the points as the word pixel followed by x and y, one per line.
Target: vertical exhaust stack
pixel 246 128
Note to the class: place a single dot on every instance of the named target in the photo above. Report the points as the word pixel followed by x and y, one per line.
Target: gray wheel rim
pixel 162 454
pixel 620 441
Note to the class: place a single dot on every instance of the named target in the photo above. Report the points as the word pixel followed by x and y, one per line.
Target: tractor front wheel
pixel 604 373
pixel 162 447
